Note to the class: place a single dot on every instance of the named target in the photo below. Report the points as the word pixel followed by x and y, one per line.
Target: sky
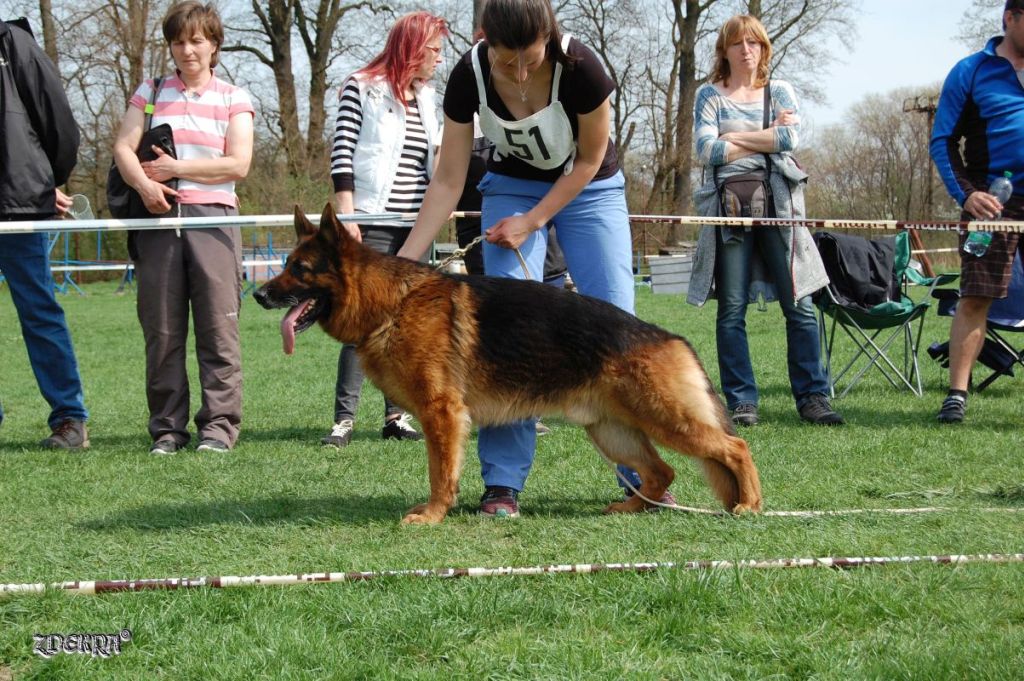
pixel 901 42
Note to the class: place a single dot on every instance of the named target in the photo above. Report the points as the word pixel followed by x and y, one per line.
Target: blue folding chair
pixel 1006 316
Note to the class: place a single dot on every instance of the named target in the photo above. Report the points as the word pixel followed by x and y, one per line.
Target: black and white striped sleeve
pixel 346 135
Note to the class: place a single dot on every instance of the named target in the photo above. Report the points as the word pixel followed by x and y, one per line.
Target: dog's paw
pixel 422 515
pixel 742 509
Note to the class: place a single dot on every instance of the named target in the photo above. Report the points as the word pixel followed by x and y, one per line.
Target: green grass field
pixel 281 504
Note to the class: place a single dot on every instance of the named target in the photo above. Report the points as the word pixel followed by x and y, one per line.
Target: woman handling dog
pixel 384 144
pixel 213 134
pixel 745 128
pixel 543 100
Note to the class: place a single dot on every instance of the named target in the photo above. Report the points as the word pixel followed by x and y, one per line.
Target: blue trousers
pixel 593 231
pixel 733 258
pixel 25 264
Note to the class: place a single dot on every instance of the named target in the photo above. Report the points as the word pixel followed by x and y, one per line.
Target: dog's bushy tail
pixel 722 482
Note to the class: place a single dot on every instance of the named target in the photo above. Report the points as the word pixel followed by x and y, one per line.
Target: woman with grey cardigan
pixel 742 264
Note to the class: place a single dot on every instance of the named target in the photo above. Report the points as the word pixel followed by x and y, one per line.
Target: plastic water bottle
pixel 1002 188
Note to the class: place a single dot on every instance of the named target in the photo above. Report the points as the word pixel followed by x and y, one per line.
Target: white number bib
pixel 543 140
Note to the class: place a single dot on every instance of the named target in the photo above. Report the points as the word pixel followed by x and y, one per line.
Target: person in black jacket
pixel 38 148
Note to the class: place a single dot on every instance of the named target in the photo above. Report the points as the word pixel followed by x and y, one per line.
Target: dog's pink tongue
pixel 288 326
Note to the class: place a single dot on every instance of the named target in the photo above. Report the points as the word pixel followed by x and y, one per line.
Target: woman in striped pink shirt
pixel 201 268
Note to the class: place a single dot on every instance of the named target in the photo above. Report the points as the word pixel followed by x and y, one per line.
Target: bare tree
pixel 876 164
pixel 270 41
pixel 981 21
pixel 49 31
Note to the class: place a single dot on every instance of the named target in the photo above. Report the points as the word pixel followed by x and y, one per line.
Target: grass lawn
pixel 281 504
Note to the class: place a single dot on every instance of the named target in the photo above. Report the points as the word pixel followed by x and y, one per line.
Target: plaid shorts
pixel 989 275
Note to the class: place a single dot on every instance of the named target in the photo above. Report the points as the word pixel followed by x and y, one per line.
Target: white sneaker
pixel 400 429
pixel 340 435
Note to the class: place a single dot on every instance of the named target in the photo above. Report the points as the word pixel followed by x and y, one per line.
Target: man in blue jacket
pixel 38 148
pixel 982 103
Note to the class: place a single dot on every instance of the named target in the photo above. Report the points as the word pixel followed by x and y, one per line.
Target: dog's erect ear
pixel 303 227
pixel 331 229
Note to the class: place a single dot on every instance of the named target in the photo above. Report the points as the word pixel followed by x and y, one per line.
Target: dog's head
pixel 309 283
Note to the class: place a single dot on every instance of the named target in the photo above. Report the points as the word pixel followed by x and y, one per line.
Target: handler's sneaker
pixel 164 446
pixel 953 410
pixel 399 428
pixel 818 411
pixel 340 435
pixel 500 502
pixel 666 499
pixel 68 434
pixel 210 444
pixel 745 414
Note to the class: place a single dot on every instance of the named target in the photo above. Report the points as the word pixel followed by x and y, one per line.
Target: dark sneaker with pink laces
pixel 666 498
pixel 500 502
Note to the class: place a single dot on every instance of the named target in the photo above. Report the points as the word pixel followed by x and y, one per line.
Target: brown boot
pixel 68 434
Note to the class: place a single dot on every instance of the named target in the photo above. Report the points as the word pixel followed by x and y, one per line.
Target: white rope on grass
pixel 805 514
pixel 95 587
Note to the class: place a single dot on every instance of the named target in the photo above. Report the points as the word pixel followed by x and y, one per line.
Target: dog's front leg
pixel 444 429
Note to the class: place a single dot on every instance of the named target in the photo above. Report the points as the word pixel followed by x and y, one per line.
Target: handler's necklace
pixel 524 86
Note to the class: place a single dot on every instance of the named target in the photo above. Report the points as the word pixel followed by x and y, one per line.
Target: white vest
pixel 381 138
pixel 543 140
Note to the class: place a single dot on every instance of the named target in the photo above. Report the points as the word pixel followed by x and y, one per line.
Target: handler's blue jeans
pixel 593 231
pixel 26 267
pixel 732 280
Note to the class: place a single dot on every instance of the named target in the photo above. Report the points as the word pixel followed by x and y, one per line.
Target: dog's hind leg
pixel 445 429
pixel 631 447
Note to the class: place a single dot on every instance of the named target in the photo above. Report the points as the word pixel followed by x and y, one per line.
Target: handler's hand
pixel 510 232
pixel 983 206
pixel 786 117
pixel 353 230
pixel 153 194
pixel 162 168
pixel 63 202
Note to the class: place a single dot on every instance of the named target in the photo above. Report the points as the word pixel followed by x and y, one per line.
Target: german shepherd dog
pixel 449 347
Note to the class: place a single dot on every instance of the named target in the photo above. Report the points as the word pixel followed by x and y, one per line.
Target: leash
pixel 800 514
pixel 460 253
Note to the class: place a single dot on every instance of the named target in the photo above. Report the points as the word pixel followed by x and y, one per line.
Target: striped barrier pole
pixel 145 224
pixel 96 587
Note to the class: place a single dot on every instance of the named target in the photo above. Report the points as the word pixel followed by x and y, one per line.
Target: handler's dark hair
pixel 517 24
pixel 185 19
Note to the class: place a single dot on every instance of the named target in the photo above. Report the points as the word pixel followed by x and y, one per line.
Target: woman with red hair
pixel 385 141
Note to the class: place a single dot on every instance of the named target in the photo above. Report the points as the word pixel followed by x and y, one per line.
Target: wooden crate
pixel 670 273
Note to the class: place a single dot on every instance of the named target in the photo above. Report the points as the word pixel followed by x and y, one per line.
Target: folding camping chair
pixel 867 298
pixel 1005 316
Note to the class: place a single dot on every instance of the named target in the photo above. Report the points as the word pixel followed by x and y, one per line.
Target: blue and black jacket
pixel 982 103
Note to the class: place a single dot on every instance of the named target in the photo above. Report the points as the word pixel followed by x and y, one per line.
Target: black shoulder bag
pixel 749 195
pixel 123 201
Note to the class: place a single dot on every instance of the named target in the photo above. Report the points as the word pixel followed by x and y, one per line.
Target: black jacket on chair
pixel 860 271
pixel 38 134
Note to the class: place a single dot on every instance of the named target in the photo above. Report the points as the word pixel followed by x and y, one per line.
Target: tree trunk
pixel 278 26
pixel 49 32
pixel 683 160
